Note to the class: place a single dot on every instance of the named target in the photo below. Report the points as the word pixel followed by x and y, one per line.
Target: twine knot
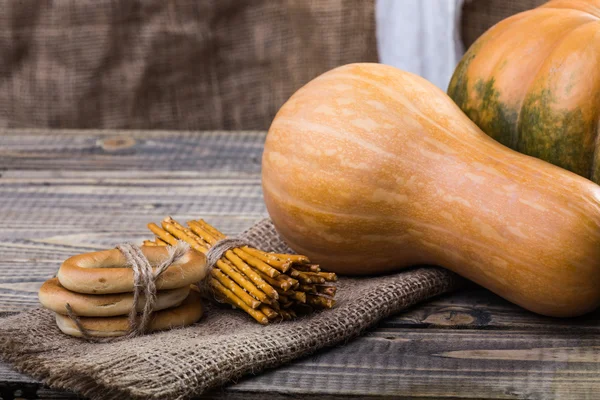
pixel 221 247
pixel 214 254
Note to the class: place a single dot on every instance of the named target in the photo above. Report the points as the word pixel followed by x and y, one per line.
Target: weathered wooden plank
pixel 221 153
pixel 477 308
pixel 57 220
pixel 447 363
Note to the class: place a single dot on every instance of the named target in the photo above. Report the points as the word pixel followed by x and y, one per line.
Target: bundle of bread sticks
pixel 267 286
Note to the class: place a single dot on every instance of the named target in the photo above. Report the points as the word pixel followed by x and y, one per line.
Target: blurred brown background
pixel 185 64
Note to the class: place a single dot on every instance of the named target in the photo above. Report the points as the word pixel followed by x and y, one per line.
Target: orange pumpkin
pixel 532 82
pixel 368 169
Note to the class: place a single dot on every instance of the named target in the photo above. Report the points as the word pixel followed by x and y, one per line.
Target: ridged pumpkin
pixel 368 169
pixel 532 82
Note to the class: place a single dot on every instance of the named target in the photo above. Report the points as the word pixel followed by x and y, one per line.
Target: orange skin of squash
pixel 532 82
pixel 368 169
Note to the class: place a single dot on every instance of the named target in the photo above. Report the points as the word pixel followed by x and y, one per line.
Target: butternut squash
pixel 368 169
pixel 532 82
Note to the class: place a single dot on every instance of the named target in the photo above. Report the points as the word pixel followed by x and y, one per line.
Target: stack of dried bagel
pixel 98 289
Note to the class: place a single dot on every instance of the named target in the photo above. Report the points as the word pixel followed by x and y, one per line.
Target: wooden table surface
pixel 67 192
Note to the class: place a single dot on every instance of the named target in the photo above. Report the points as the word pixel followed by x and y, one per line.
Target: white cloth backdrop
pixel 420 36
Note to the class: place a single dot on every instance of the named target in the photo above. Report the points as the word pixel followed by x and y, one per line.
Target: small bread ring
pixel 189 312
pixel 105 272
pixel 55 297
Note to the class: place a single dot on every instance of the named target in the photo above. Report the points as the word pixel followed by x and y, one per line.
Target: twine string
pixel 213 255
pixel 221 247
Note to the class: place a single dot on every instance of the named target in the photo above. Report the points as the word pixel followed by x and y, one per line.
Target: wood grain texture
pixel 76 191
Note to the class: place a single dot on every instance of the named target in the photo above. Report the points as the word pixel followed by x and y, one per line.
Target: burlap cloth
pixel 170 64
pixel 182 64
pixel 224 345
